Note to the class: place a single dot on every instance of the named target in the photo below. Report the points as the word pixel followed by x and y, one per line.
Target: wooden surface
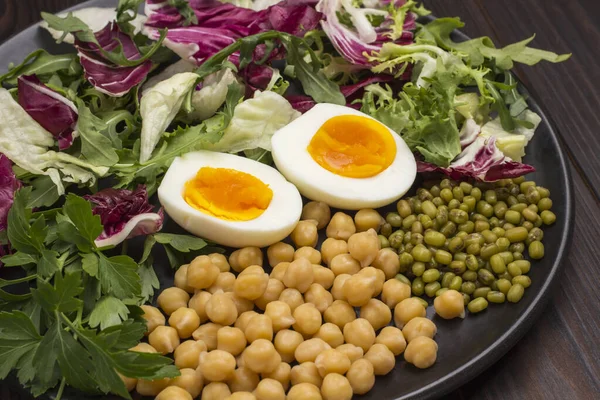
pixel 560 357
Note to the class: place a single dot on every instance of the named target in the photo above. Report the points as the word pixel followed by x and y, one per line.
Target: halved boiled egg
pixel 344 158
pixel 231 200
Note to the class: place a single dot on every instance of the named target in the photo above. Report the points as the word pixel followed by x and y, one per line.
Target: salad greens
pixel 140 90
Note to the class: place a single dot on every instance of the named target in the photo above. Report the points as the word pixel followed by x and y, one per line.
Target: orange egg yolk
pixel 353 146
pixel 228 194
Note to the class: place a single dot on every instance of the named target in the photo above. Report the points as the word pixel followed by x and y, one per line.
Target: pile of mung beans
pixel 322 323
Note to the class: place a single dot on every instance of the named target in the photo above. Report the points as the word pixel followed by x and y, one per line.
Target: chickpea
pixel 225 282
pixel 336 387
pixel 406 310
pixel 143 348
pixel 220 261
pixel 181 279
pixel 231 340
pixel 259 327
pixel 304 391
pixel 382 358
pixel 216 365
pixel 394 292
pixel 269 389
pixel 198 304
pixel 185 321
pixel 337 290
pixel 174 393
pixel 323 276
pixel 221 309
pixel 318 211
pixel 251 283
pixel 358 290
pixel 393 339
pixel 280 252
pixel 172 299
pixel 332 361
pixel 278 272
pixel 377 313
pixel 387 261
pixel 344 264
pixel 292 297
pixel 190 380
pixel 376 275
pixel 271 294
pixel 281 374
pixel 341 226
pixel 261 356
pixel 305 233
pixel 153 318
pixel 151 388
pixel 318 296
pixel 332 247
pixel 419 326
pixel 280 314
pixel 311 254
pixel 244 318
pixel 208 334
pixel 364 247
pixel 340 313
pixel 361 376
pixel 243 380
pixel 241 259
pixel 310 349
pixel 360 333
pixel 286 342
pixel 421 352
pixel 306 372
pixel 330 334
pixel 130 383
pixel 187 353
pixel 164 339
pixel 308 319
pixel 241 303
pixel 450 304
pixel 241 396
pixel 202 273
pixel 368 219
pixel 299 275
pixel 215 391
pixel 351 351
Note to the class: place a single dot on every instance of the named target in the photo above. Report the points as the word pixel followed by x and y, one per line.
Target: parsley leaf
pixel 109 311
pixel 183 243
pixel 18 337
pixel 118 275
pixel 80 213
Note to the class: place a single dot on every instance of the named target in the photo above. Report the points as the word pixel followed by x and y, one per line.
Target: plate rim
pixel 521 325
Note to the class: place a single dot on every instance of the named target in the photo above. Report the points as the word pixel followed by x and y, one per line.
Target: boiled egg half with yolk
pixel 344 158
pixel 231 200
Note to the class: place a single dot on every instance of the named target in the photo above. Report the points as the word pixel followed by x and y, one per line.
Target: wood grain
pixel 559 358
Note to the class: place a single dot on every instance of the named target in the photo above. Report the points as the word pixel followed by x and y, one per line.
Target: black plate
pixel 466 347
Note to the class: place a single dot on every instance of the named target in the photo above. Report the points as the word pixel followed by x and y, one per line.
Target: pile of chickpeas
pixel 323 323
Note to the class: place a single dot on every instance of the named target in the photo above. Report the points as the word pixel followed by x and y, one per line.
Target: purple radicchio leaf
pixel 54 112
pixel 481 160
pixel 107 77
pixel 9 184
pixel 351 44
pixel 351 93
pixel 124 214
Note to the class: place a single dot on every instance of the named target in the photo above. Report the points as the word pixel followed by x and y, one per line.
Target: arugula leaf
pixel 118 275
pixel 109 311
pixel 95 147
pixel 478 50
pixel 66 25
pixel 42 64
pixel 182 243
pixel 186 11
pixel 44 193
pixel 123 8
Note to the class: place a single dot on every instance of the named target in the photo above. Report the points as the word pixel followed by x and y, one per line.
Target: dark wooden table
pixel 560 357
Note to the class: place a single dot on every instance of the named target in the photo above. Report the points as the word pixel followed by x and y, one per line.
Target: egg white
pixel 273 225
pixel 315 182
